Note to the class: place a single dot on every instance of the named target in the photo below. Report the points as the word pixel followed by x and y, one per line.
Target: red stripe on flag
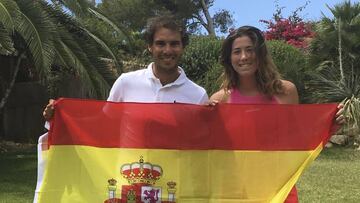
pixel 184 126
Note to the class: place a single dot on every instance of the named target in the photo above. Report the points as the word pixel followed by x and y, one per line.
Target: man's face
pixel 166 50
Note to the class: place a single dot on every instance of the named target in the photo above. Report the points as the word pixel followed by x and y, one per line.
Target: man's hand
pixel 48 112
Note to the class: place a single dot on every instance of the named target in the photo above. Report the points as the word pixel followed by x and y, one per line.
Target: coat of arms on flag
pixel 142 177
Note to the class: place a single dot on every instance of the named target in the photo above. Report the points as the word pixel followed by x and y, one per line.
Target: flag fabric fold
pixel 133 152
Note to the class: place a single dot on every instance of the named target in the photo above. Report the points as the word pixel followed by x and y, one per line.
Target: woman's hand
pixel 212 102
pixel 340 119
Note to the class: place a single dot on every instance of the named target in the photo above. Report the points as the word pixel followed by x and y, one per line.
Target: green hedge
pixel 213 79
pixel 200 55
pixel 291 62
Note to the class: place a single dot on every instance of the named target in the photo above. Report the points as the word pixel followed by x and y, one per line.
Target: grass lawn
pixel 18 176
pixel 333 177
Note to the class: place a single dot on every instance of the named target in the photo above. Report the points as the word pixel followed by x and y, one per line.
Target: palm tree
pixel 343 28
pixel 335 51
pixel 336 54
pixel 52 34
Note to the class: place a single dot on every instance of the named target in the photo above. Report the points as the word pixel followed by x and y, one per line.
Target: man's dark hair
pixel 168 22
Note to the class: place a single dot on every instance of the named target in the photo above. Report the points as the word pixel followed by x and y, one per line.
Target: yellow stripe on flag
pixel 215 175
pixel 281 196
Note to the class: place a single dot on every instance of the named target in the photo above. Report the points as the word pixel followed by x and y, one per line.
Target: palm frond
pixel 110 23
pixel 351 112
pixel 6 43
pixel 103 45
pixel 38 31
pixel 73 24
pixel 8 14
pixel 325 84
pixel 72 59
pixel 77 7
pixel 100 65
pixel 80 54
pixel 101 71
pixel 100 83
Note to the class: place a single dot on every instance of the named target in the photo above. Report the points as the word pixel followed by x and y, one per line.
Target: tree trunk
pixel 342 77
pixel 210 24
pixel 11 85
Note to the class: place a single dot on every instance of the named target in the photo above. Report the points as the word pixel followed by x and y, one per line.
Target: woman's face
pixel 243 56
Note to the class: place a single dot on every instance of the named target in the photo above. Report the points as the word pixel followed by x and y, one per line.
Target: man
pixel 162 81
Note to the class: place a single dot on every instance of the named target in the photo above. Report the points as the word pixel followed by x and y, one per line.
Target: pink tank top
pixel 237 98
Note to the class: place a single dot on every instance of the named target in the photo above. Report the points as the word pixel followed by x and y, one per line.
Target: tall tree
pixel 130 14
pixel 343 27
pixel 221 20
pixel 197 16
pixel 194 13
pixel 335 51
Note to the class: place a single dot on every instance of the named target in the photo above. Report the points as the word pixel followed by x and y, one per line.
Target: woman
pixel 251 76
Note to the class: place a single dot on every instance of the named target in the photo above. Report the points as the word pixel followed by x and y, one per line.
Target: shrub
pixel 291 62
pixel 201 55
pixel 213 79
pixel 293 30
pixel 294 33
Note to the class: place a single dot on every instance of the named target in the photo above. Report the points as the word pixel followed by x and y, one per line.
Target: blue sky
pixel 249 12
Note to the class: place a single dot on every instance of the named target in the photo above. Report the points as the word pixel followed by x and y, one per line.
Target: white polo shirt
pixel 143 86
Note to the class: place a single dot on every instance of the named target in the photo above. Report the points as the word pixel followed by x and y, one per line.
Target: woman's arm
pixel 219 97
pixel 290 94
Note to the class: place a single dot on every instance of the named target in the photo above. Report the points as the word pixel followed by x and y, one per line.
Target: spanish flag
pixel 133 152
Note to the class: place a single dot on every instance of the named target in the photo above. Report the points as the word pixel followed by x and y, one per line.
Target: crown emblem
pixel 112 182
pixel 141 172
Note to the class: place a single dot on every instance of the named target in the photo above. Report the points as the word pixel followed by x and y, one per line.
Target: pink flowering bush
pixel 294 32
